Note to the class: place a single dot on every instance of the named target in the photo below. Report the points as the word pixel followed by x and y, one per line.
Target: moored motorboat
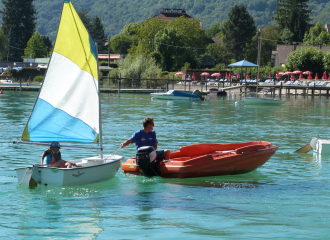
pixel 209 159
pixel 178 95
pixel 262 101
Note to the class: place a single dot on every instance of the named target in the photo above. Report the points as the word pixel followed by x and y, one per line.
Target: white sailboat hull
pixel 261 101
pixel 93 170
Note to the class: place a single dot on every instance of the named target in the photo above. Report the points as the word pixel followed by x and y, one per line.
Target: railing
pixel 165 84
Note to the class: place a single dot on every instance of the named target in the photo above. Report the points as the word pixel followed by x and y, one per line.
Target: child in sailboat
pixel 52 156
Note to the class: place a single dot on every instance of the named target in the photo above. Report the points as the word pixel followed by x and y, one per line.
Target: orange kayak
pixel 210 159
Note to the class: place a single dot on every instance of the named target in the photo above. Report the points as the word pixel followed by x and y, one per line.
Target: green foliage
pixel 18 24
pixel 305 59
pixel 214 31
pixel 326 61
pixel 3 44
pixel 293 15
pixel 98 35
pixel 35 47
pixel 120 44
pixel 138 66
pixel 157 56
pixel 238 30
pixel 170 43
pixel 38 79
pixel 316 35
pixel 219 53
pixel 269 36
pixel 48 44
pixel 115 14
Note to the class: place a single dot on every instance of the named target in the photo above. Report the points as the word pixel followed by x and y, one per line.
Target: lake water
pixel 288 197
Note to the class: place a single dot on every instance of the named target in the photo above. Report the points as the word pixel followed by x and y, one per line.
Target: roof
pixel 243 63
pixel 166 14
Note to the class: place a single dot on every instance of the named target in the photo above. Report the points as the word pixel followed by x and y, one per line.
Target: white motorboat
pixel 178 95
pixel 68 109
pixel 262 101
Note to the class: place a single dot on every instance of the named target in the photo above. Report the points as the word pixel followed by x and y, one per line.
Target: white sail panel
pixel 72 90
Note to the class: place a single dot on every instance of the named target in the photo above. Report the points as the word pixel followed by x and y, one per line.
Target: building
pixel 279 56
pixel 113 57
pixel 167 14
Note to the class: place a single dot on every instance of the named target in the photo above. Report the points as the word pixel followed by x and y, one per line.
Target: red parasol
pixel 278 75
pixel 193 76
pixel 216 75
pixel 300 76
pixel 297 72
pixel 270 75
pixel 179 73
pixel 316 77
pixel 324 77
pixel 329 78
pixel 310 76
pixel 292 77
pixel 247 76
pixel 239 76
pixel 281 73
pixel 226 75
pixel 307 72
pixel 287 73
pixel 205 74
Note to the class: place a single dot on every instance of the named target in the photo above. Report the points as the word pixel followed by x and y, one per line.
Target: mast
pixel 99 93
pixel 258 59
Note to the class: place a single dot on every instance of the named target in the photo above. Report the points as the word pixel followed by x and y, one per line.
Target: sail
pixel 67 108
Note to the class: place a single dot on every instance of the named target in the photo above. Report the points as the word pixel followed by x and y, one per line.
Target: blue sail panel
pixel 48 124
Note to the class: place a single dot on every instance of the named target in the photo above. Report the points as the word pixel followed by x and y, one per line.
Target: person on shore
pixel 52 157
pixel 147 137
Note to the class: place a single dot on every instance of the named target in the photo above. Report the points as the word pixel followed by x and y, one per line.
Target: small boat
pixel 68 110
pixel 262 101
pixel 178 95
pixel 206 159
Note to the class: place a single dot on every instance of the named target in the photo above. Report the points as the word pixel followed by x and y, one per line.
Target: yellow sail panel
pixel 74 42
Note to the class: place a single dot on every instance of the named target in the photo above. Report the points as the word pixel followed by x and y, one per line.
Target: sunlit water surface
pixel 288 197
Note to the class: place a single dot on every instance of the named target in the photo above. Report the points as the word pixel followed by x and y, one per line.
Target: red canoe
pixel 210 159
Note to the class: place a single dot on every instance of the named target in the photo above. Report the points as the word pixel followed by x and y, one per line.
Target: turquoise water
pixel 288 197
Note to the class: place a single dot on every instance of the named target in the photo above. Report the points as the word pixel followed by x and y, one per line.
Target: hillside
pixel 115 14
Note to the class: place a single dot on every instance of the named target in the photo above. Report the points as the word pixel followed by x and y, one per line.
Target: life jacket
pixel 53 161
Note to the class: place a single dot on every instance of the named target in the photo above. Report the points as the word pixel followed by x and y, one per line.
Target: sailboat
pixel 258 100
pixel 68 109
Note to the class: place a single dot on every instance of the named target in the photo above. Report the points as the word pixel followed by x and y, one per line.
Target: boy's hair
pixel 147 121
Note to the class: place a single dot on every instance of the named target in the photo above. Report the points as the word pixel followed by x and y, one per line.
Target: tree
pixel 269 35
pixel 138 66
pixel 48 44
pixel 238 30
pixel 98 35
pixel 35 47
pixel 215 31
pixel 169 42
pixel 120 44
pixel 305 59
pixel 293 15
pixel 3 44
pixel 18 24
pixel 219 53
pixel 317 35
